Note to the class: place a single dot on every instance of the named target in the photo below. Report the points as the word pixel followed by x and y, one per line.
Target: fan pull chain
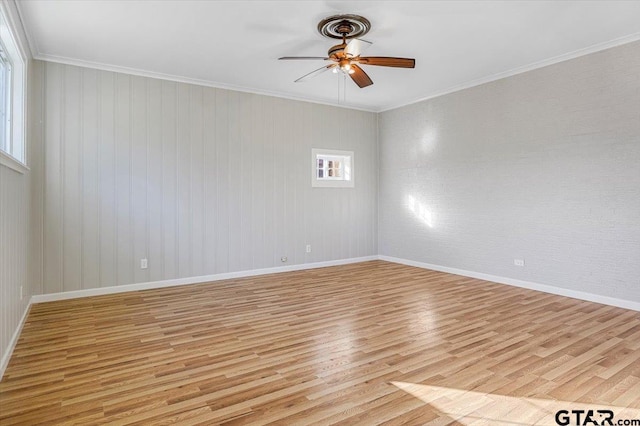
pixel 344 88
pixel 342 94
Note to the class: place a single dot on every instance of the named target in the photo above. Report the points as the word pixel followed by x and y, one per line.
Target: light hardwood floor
pixel 368 343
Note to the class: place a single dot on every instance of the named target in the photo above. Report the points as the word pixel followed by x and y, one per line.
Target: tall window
pixel 12 91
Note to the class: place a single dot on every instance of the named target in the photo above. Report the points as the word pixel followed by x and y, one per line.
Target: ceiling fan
pixel 346 56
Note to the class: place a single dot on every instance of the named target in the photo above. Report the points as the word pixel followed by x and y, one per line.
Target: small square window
pixel 331 168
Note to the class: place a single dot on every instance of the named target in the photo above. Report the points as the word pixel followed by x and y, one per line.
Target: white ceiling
pixel 235 44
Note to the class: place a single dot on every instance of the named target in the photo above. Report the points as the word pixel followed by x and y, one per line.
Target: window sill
pixel 10 162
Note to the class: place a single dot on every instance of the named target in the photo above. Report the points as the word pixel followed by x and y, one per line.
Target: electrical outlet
pixel 518 262
pixel 308 248
pixel 21 294
pixel 283 259
pixel 143 264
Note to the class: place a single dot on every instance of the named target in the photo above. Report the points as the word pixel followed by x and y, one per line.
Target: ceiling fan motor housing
pixel 337 50
pixel 344 27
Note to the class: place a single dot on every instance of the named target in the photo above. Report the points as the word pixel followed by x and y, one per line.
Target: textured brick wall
pixel 543 166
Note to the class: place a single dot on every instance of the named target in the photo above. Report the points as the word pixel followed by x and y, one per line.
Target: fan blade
pixel 360 77
pixel 356 46
pixel 387 61
pixel 302 58
pixel 315 73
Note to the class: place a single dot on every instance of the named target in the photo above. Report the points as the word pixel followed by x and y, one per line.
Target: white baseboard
pixel 193 280
pixel 14 340
pixel 590 297
pixel 240 274
pixel 627 304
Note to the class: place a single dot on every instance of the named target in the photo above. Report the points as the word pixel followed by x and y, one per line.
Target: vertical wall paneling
pixel 139 175
pixel 244 176
pixel 169 182
pixel 53 192
pixel 123 168
pixel 288 181
pixel 282 183
pixel 268 159
pixel 222 182
pixel 21 219
pixel 209 181
pixel 154 181
pixel 255 244
pixel 72 206
pixel 14 246
pixel 107 177
pixel 183 181
pixel 5 286
pixel 89 166
pixel 234 182
pixel 35 157
pixel 197 180
pixel 197 228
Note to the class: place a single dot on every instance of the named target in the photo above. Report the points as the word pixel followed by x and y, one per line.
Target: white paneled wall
pixel 197 180
pixel 20 227
pixel 543 166
pixel 14 242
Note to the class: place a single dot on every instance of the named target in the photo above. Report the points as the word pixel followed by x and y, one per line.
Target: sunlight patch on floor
pixel 478 408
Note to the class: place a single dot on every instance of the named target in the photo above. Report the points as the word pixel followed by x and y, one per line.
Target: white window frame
pixel 347 162
pixel 13 146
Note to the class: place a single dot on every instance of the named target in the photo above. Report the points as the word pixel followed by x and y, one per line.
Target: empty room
pixel 319 212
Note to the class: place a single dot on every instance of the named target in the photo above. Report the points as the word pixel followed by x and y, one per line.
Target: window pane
pixel 4 103
pixel 332 168
pixel 12 96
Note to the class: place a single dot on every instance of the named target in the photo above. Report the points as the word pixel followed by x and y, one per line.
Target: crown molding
pixel 188 80
pixel 35 51
pixel 519 70
pixel 11 11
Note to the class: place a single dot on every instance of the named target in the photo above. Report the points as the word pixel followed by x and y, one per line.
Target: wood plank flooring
pixel 369 343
